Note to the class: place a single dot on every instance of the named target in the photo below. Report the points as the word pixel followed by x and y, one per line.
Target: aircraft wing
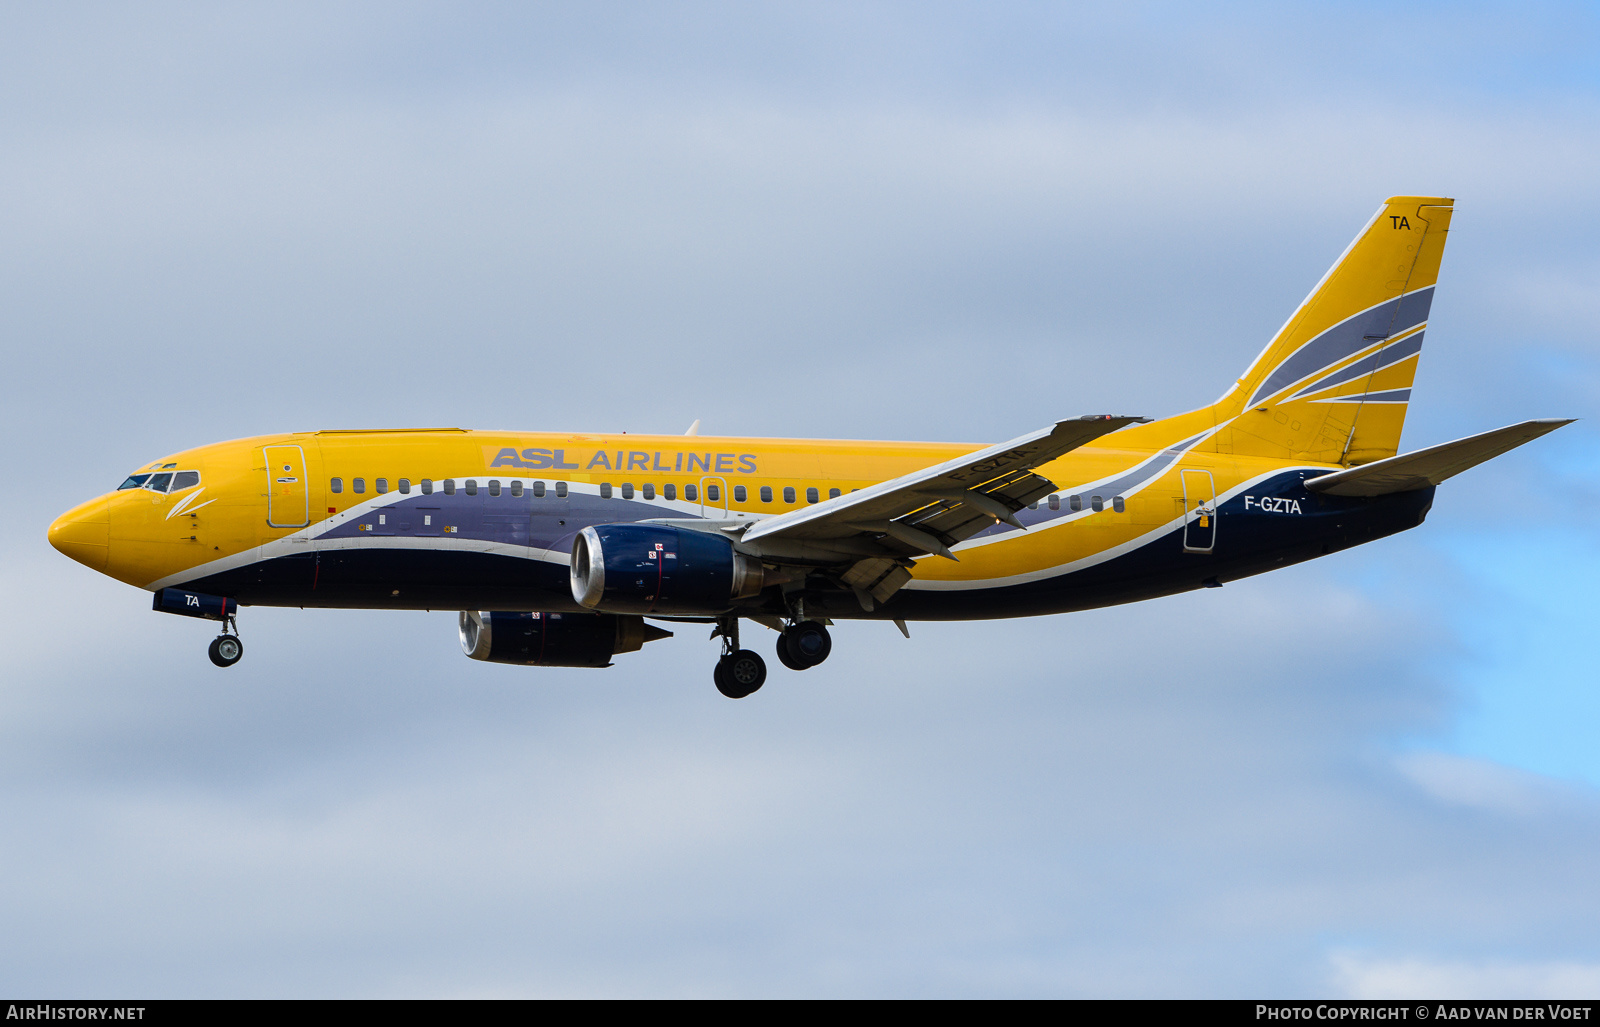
pixel 1410 471
pixel 878 530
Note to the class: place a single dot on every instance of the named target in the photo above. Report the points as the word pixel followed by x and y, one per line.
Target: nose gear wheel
pixel 225 650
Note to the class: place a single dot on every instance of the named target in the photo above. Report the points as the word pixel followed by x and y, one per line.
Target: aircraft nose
pixel 84 533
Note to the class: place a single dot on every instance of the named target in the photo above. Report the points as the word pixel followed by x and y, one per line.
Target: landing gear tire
pixel 804 645
pixel 740 674
pixel 784 657
pixel 225 650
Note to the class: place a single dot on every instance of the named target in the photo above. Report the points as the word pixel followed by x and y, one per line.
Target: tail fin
pixel 1333 385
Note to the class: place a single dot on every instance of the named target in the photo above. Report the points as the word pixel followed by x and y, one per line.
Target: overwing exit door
pixel 1200 511
pixel 713 497
pixel 288 503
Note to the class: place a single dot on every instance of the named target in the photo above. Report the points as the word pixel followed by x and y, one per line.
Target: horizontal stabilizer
pixel 1425 467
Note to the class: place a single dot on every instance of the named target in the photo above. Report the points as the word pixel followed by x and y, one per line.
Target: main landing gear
pixel 740 671
pixel 226 649
pixel 802 645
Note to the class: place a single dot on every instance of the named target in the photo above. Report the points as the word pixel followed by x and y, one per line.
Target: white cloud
pixel 1465 781
pixel 1366 977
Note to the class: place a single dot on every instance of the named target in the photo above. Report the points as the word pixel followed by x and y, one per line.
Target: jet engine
pixel 553 639
pixel 655 568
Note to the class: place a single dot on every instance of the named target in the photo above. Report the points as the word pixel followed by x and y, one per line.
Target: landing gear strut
pixel 740 671
pixel 226 649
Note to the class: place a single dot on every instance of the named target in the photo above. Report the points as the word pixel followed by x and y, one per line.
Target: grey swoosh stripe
pixel 1383 358
pixel 1140 474
pixel 1151 468
pixel 1391 396
pixel 1348 337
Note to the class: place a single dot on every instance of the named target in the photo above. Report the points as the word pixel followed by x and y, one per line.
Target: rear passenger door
pixel 1200 506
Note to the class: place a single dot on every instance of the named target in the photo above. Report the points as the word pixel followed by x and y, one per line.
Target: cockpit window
pixel 162 481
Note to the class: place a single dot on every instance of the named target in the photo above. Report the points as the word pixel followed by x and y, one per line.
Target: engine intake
pixel 656 568
pixel 553 639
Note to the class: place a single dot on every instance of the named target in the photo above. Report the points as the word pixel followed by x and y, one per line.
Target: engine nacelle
pixel 553 639
pixel 656 568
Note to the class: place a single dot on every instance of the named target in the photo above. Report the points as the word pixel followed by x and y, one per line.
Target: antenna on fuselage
pixel 694 429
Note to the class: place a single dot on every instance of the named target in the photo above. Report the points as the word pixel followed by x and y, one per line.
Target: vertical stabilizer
pixel 1333 384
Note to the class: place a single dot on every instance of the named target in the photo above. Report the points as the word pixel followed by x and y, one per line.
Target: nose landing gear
pixel 226 649
pixel 740 672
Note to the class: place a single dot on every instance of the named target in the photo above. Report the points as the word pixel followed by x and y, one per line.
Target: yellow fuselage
pixel 516 500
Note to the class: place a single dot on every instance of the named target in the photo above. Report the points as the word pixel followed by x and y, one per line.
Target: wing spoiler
pixel 1411 471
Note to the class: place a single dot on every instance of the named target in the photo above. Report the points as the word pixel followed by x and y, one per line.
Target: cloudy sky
pixel 1375 774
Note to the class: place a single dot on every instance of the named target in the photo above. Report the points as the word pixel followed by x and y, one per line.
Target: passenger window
pixel 472 486
pixel 336 486
pixel 381 486
pixel 1098 503
pixel 811 494
pixel 359 486
pixel 1075 503
pixel 1117 504
pixel 713 493
pixel 1033 506
pixel 766 493
pixel 538 490
pixel 833 493
pixel 516 490
pixel 605 490
pixel 135 480
pixel 405 486
pixel 1055 502
pixel 159 482
pixel 627 490
pixel 449 486
pixel 739 494
pixel 669 492
pixel 691 493
pixel 494 487
pixel 561 490
pixel 788 493
pixel 427 486
pixel 649 490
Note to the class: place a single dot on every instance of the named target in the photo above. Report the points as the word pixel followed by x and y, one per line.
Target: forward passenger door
pixel 288 499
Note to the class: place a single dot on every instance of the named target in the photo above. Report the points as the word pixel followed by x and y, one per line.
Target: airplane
pixel 559 548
